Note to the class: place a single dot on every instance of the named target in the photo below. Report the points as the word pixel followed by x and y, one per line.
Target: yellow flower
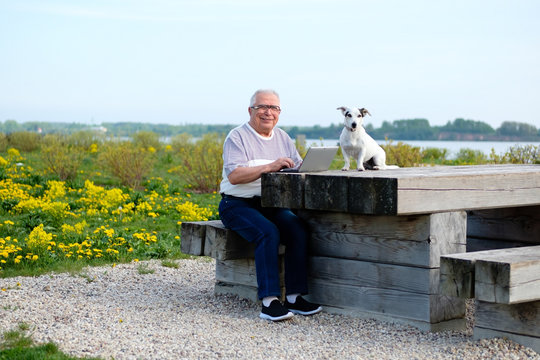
pixel 38 238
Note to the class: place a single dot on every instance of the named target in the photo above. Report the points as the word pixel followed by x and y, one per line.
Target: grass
pixel 18 345
pixel 137 224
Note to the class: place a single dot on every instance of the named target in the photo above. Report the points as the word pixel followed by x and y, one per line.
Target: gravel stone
pixel 172 313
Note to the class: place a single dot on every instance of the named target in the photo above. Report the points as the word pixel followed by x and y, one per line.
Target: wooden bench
pixel 506 285
pixel 235 259
pixel 377 236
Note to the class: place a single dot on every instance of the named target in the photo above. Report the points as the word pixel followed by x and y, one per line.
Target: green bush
pixel 4 142
pixel 201 163
pixel 24 140
pixel 434 155
pixel 528 154
pixel 147 140
pixel 84 139
pixel 468 156
pixel 401 154
pixel 128 162
pixel 181 142
pixel 62 160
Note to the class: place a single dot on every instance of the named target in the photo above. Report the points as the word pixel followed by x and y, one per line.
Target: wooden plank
pixel 476 244
pixel 511 277
pixel 419 190
pixel 521 224
pixel 457 275
pixel 284 190
pixel 504 275
pixel 192 236
pixel 416 240
pixel 372 274
pixel 469 188
pixel 242 271
pixel 323 192
pixel 415 306
pixel 224 244
pixel 523 319
pixel 378 197
pixel 241 291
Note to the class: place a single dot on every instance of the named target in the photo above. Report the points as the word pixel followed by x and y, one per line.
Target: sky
pixel 198 62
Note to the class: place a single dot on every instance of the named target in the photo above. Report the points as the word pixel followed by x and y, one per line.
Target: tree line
pixel 407 129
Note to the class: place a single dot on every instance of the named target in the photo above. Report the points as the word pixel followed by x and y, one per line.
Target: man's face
pixel 264 120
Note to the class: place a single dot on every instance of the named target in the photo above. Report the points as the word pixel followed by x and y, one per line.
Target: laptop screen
pixel 316 159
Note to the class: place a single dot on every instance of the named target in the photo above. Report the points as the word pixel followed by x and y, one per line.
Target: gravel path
pixel 117 312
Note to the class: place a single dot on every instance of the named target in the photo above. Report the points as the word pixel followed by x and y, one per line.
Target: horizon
pixel 366 122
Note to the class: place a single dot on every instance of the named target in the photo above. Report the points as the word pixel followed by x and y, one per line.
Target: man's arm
pixel 244 175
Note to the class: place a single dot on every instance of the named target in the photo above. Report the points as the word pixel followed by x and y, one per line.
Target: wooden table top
pixel 405 191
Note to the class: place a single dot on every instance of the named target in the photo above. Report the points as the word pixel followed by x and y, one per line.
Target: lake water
pixel 500 147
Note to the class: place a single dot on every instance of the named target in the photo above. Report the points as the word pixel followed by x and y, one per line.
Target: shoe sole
pixel 306 313
pixel 276 318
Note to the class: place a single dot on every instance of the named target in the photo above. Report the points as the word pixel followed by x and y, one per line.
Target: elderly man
pixel 250 150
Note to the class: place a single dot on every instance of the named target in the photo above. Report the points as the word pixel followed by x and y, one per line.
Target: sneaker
pixel 303 307
pixel 275 312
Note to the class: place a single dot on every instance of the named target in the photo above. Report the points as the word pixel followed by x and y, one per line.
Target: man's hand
pixel 244 175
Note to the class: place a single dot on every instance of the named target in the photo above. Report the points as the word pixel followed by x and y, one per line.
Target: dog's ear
pixel 364 111
pixel 342 108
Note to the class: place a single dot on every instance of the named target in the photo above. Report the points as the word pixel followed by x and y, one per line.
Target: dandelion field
pixel 90 218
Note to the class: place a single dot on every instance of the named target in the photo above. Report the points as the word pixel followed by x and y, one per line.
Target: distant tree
pixel 512 128
pixel 461 125
pixel 10 126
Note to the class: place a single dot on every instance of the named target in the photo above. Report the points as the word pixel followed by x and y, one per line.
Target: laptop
pixel 316 159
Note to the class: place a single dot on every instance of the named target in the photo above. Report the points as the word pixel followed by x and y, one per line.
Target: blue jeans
pixel 267 228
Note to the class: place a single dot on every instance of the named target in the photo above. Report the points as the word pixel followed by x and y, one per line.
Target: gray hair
pixel 262 91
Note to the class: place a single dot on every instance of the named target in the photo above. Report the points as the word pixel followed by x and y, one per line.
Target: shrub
pixel 528 154
pixel 201 164
pixel 181 142
pixel 62 160
pixel 403 155
pixel 147 140
pixel 4 142
pixel 129 163
pixel 468 156
pixel 434 155
pixel 24 140
pixel 84 139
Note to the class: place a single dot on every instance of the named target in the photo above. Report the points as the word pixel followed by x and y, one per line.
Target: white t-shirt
pixel 245 147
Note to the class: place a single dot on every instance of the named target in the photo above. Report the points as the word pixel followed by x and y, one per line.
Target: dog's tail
pixel 385 167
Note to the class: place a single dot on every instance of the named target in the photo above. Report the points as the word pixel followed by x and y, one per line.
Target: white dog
pixel 356 143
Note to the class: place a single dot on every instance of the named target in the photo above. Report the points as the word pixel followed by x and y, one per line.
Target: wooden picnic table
pixel 377 236
pixel 377 239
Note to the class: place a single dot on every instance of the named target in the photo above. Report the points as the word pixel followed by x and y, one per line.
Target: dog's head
pixel 354 117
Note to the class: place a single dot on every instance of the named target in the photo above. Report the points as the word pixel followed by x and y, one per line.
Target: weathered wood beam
pixel 517 322
pixel 192 235
pixel 406 191
pixel 505 276
pixel 415 240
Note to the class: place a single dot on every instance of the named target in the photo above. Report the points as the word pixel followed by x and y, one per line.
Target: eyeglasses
pixel 273 108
